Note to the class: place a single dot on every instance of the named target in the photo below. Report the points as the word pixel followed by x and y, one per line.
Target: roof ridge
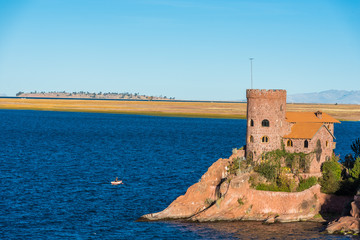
pixel 309 117
pixel 305 130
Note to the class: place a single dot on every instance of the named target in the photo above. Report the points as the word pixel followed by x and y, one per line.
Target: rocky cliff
pixel 220 196
pixel 349 224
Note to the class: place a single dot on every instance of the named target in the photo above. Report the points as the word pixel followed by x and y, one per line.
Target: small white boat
pixel 117 182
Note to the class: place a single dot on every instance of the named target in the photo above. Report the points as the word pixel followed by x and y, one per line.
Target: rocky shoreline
pixel 221 197
pixel 350 223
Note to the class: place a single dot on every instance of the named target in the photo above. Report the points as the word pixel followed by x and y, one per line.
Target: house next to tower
pixel 269 127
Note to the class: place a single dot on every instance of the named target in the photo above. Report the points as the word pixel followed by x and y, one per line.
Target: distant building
pixel 270 127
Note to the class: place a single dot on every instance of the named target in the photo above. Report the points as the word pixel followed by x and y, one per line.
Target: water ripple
pixel 56 168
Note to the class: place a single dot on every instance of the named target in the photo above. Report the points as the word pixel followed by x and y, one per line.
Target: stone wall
pixel 271 105
pixel 327 148
pixel 261 105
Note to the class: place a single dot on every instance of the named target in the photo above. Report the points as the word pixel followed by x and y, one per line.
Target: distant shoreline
pixel 168 108
pixel 123 99
pixel 90 95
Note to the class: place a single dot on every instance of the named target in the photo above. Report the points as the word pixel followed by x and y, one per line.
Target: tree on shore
pixel 355 146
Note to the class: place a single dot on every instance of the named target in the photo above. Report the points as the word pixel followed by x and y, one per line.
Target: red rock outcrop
pixel 347 224
pixel 217 197
pixel 354 209
pixel 194 200
pixel 243 203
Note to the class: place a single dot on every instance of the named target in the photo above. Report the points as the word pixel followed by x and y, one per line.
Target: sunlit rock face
pixel 220 196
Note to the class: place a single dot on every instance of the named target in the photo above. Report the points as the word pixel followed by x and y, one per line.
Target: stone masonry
pixel 269 127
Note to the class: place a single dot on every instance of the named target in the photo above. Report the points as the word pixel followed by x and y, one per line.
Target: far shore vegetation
pixel 174 108
pixel 92 95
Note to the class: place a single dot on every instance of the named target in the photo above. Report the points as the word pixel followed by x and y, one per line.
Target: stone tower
pixel 265 121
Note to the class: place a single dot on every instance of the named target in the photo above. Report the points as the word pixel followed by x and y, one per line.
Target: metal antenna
pixel 251 59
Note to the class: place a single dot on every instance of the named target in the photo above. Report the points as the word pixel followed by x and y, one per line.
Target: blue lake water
pixel 56 168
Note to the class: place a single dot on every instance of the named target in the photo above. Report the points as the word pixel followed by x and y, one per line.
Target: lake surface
pixel 56 168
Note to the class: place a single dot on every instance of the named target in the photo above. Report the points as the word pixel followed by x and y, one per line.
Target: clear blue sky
pixel 185 49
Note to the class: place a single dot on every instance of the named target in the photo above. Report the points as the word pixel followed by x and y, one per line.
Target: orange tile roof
pixel 304 130
pixel 310 117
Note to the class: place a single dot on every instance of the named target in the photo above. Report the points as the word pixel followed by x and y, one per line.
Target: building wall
pixel 270 105
pixel 327 147
pixel 330 126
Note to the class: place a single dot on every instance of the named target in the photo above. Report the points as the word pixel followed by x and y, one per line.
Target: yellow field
pixel 164 108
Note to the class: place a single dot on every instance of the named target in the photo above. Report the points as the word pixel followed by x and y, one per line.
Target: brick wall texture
pixel 270 105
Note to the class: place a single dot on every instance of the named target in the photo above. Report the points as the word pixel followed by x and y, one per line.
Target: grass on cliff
pixel 340 177
pixel 278 171
pixel 286 184
pixel 277 167
pixel 306 183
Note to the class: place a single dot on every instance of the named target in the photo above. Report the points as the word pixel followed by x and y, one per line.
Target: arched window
pixel 251 123
pixel 289 143
pixel 250 156
pixel 265 139
pixel 265 123
pixel 251 139
pixel 306 144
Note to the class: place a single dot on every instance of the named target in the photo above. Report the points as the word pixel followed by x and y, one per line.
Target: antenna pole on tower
pixel 251 59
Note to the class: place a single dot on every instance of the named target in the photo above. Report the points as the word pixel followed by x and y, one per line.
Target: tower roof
pixel 266 93
pixel 310 117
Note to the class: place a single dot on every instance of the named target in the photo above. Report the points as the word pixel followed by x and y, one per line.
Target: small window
pixel 265 139
pixel 265 123
pixel 289 143
pixel 250 156
pixel 251 123
pixel 327 158
pixel 251 139
pixel 326 143
pixel 306 144
pixel 281 107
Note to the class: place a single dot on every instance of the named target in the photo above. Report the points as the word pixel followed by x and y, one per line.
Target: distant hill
pixel 100 95
pixel 329 96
